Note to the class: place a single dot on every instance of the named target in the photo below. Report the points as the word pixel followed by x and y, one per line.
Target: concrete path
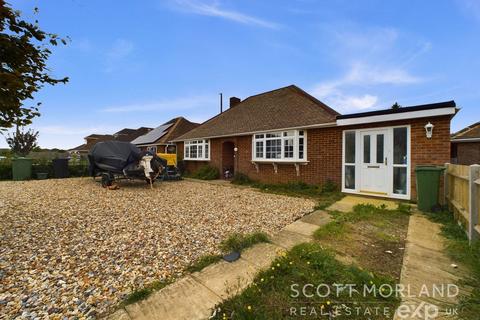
pixel 425 266
pixel 347 203
pixel 195 296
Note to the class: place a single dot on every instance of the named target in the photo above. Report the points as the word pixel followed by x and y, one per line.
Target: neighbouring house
pixel 125 134
pixel 287 135
pixel 466 145
pixel 159 139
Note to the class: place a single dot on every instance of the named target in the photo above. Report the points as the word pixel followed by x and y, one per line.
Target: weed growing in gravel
pixel 203 262
pixel 235 242
pixel 239 242
pixel 271 295
pixel 144 292
pixel 468 254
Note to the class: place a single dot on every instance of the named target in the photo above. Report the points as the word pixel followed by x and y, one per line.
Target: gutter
pixel 465 140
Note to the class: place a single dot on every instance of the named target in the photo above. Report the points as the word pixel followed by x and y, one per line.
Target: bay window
pixel 197 150
pixel 279 146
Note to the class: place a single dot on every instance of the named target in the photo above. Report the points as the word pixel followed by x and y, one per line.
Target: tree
pixel 396 106
pixel 22 142
pixel 24 51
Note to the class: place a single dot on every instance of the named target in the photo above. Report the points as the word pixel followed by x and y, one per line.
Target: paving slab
pixel 288 239
pixel 184 299
pixel 347 203
pixel 426 265
pixel 226 279
pixel 262 254
pixel 120 314
pixel 318 217
pixel 304 228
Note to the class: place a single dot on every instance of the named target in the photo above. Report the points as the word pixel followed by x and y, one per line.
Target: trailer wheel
pixel 106 181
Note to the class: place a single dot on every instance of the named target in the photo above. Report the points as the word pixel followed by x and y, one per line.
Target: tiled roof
pixel 286 107
pixel 470 132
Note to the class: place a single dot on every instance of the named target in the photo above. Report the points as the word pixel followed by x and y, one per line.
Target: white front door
pixel 374 161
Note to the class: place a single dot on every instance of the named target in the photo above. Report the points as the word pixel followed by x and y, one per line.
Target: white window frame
pixel 152 149
pixel 389 153
pixel 205 146
pixel 291 134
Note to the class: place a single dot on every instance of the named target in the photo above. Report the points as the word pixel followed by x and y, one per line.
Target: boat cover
pixel 113 156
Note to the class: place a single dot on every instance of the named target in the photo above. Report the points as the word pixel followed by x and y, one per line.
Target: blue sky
pixel 137 64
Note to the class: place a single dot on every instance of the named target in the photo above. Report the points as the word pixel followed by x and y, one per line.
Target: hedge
pixel 76 170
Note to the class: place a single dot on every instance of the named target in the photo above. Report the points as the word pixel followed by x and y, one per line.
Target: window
pixel 349 160
pixel 197 150
pixel 152 149
pixel 380 148
pixel 400 160
pixel 280 146
pixel 366 149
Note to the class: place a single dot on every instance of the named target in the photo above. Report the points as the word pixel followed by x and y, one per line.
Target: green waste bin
pixel 21 169
pixel 428 184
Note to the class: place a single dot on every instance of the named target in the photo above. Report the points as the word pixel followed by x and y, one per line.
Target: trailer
pixel 114 160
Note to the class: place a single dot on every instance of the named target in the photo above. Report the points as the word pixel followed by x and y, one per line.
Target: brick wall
pixel 467 153
pixel 324 153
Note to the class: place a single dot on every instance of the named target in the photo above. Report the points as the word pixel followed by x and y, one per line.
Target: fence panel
pixel 462 193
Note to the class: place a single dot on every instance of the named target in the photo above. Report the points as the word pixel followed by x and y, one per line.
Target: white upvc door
pixel 374 173
pixel 376 161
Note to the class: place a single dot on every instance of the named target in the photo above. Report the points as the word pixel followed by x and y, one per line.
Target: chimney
pixel 234 101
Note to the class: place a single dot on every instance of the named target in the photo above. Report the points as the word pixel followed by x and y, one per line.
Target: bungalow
pixel 159 139
pixel 288 135
pixel 125 134
pixel 466 145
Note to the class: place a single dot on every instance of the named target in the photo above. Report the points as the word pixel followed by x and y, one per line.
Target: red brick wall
pixel 324 153
pixel 468 153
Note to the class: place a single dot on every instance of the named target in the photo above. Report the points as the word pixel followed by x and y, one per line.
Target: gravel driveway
pixel 70 248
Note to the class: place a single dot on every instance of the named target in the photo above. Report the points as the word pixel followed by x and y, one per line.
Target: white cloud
pixel 117 53
pixel 187 103
pixel 214 10
pixel 470 7
pixel 120 49
pixel 373 59
pixel 360 75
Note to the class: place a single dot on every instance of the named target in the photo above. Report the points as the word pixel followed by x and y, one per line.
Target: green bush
pixel 206 172
pixel 5 171
pixel 329 186
pixel 241 179
pixel 78 170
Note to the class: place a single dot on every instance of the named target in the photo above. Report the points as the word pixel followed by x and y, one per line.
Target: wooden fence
pixel 462 194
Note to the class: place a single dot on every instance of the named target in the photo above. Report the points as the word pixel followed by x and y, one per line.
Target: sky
pixel 141 63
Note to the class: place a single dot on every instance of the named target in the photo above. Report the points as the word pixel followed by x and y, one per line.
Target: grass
pixel 239 242
pixel 203 262
pixel 325 195
pixel 144 292
pixel 362 212
pixel 276 293
pixel 235 242
pixel 459 249
pixel 364 235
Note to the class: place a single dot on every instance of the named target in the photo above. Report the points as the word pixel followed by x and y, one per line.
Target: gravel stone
pixel 71 249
